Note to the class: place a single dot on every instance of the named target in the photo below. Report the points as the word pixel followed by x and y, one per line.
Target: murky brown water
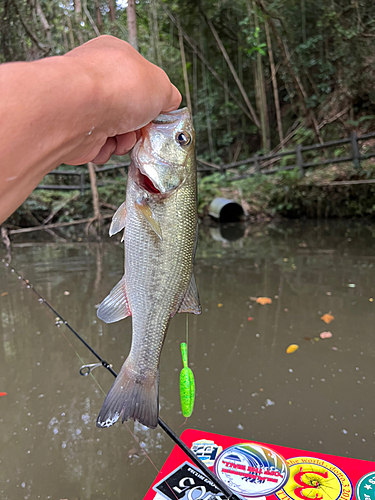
pixel 319 398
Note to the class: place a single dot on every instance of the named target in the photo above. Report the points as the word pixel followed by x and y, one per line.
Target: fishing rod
pixel 86 370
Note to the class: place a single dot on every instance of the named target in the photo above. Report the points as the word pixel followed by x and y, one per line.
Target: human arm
pixel 80 107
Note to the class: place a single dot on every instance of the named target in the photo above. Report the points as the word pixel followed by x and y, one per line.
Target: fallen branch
pixel 344 183
pixel 57 210
pixel 55 225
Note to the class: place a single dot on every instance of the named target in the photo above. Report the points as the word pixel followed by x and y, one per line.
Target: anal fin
pixel 191 302
pixel 115 306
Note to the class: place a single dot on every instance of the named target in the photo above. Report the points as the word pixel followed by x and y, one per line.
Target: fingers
pixel 124 143
pixel 106 152
pixel 119 145
pixel 174 100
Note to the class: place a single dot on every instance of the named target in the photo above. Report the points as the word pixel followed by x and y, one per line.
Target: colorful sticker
pixel 187 482
pixel 206 450
pixel 316 479
pixel 251 470
pixel 365 489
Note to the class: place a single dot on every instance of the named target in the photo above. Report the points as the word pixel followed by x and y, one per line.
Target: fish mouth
pixel 146 183
pixel 143 179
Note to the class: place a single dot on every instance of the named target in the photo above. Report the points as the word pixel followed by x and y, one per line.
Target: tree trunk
pixel 262 100
pixel 70 31
pixel 301 92
pixel 155 32
pixel 233 71
pixel 274 83
pixel 78 7
pixel 92 22
pixel 227 114
pixel 112 10
pixel 99 19
pixel 303 16
pixel 184 71
pixel 201 56
pixel 132 24
pixel 195 84
pixel 44 22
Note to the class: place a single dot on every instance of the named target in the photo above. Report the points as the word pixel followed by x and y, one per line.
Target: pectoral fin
pixel 115 306
pixel 118 220
pixel 191 303
pixel 144 208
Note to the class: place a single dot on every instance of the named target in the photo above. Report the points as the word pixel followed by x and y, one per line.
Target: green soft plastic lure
pixel 187 384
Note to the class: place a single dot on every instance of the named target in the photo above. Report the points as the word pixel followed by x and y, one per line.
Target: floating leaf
pixel 292 348
pixel 263 301
pixel 4 294
pixel 327 318
pixel 325 335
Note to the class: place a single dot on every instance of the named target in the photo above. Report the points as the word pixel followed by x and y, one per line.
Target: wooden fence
pixel 264 164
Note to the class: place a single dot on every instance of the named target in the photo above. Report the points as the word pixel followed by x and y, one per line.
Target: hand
pixel 132 92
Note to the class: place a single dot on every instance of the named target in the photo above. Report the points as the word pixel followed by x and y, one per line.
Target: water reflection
pixel 318 398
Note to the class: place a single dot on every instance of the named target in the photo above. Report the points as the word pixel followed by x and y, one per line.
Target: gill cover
pixel 166 146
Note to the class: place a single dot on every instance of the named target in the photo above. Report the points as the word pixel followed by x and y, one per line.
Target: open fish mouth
pixel 146 183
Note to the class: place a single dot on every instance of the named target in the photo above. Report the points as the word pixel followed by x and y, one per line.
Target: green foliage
pixel 330 47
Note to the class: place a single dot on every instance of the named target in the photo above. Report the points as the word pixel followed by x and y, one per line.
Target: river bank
pixel 339 191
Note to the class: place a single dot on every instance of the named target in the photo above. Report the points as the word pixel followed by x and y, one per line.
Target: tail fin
pixel 131 396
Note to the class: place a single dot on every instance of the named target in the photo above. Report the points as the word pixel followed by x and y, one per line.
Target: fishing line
pixel 218 483
pixel 86 369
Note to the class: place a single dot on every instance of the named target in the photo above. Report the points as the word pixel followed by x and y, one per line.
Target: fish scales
pixel 160 221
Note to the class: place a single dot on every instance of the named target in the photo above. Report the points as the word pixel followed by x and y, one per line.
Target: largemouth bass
pixel 159 218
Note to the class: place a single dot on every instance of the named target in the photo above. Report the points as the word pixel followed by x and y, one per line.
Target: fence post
pixel 300 160
pixel 256 163
pixel 82 183
pixel 356 156
pixel 94 191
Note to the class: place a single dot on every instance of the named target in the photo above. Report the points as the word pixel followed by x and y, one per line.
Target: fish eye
pixel 183 138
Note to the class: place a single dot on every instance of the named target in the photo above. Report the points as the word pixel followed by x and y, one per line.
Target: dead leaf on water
pixel 263 301
pixel 327 318
pixel 4 294
pixel 292 348
pixel 325 335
